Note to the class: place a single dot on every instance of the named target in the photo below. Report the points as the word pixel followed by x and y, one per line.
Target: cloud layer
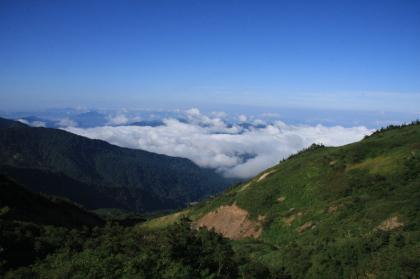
pixel 232 150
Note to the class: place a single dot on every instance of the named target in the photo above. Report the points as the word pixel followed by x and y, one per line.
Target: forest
pixel 57 162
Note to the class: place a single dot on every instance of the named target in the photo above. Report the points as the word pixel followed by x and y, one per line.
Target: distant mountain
pixel 147 181
pixel 90 119
pixel 154 123
pixel 148 123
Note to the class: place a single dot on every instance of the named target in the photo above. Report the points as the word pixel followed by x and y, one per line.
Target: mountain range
pixel 325 212
pixel 82 169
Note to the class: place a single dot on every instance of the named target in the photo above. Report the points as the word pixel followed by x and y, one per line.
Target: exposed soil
pixel 231 221
pixel 265 175
pixel 306 225
pixel 246 186
pixel 289 220
pixel 389 224
pixel 281 199
pixel 334 208
pixel 261 178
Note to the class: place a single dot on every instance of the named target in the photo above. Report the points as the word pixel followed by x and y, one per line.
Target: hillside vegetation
pixel 330 212
pixel 50 237
pixel 342 212
pixel 141 181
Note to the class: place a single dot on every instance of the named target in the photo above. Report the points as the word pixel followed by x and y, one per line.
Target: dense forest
pixel 130 179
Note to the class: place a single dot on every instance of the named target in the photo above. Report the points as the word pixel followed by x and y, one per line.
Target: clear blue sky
pixel 346 55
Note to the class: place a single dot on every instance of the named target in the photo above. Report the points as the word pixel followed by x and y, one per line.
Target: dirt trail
pixel 246 186
pixel 261 178
pixel 265 175
pixel 231 221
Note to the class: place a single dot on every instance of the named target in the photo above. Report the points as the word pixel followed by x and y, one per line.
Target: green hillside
pixel 337 212
pixel 326 212
pixel 148 181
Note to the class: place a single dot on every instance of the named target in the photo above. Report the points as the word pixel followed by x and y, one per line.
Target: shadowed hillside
pixel 148 181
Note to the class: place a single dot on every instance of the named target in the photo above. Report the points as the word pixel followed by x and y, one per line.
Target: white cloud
pixel 219 114
pixel 66 122
pixel 33 124
pixel 209 142
pixel 24 121
pixel 117 120
pixel 38 124
pixel 258 122
pixel 242 118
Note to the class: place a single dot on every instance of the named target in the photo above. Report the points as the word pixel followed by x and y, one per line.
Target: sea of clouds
pixel 231 149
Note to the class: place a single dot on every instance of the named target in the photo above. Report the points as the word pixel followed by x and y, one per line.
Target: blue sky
pixel 318 55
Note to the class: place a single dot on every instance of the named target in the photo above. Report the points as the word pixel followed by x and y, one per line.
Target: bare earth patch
pixel 289 220
pixel 265 175
pixel 281 199
pixel 389 224
pixel 246 186
pixel 334 208
pixel 261 178
pixel 306 225
pixel 231 222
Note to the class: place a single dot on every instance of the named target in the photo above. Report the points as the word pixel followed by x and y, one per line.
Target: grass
pixel 343 195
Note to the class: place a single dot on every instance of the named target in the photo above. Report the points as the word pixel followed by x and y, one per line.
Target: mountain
pixel 147 181
pixel 25 206
pixel 34 225
pixel 52 182
pixel 90 119
pixel 328 212
pixel 6 123
pixel 148 123
pixel 325 212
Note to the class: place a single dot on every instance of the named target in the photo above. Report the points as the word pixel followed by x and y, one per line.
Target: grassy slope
pixel 334 200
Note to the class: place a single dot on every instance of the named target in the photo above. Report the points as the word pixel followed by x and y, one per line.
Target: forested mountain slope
pixel 169 181
pixel 332 212
pixel 25 206
pixel 6 123
pixel 53 182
